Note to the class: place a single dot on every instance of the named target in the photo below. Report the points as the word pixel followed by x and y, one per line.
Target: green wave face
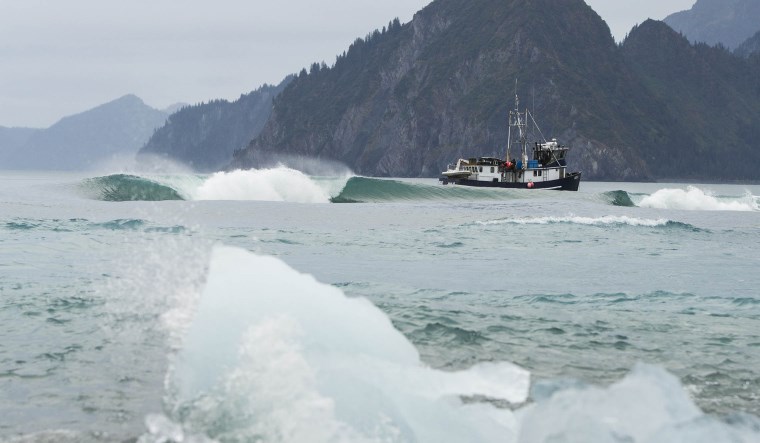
pixel 366 190
pixel 123 187
pixel 618 198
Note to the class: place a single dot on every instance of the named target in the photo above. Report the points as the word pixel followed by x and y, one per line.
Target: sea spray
pixel 155 293
pixel 274 355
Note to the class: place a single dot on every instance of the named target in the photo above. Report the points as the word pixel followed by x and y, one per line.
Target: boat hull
pixel 570 183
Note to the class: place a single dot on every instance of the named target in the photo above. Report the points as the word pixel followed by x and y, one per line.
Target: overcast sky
pixel 61 57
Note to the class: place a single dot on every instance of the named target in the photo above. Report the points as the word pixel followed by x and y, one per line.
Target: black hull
pixel 570 183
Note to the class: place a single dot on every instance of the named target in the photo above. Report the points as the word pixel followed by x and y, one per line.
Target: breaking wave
pixel 290 185
pixel 257 364
pixel 695 199
pixel 276 184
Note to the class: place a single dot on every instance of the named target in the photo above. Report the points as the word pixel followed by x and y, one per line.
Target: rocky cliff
pixel 409 99
pixel 708 102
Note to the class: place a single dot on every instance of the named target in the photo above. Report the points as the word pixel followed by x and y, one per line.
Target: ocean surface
pixel 274 306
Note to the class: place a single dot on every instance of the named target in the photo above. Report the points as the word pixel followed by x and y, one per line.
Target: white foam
pixel 273 354
pixel 695 199
pixel 276 184
pixel 591 221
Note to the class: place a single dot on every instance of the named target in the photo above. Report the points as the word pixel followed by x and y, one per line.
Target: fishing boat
pixel 544 168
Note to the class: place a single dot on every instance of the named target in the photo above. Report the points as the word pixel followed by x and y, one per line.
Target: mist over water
pixel 419 312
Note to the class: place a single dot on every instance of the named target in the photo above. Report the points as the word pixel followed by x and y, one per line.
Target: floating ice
pixel 274 355
pixel 649 405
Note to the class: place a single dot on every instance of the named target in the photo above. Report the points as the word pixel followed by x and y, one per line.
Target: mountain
pixel 407 100
pixel 728 22
pixel 204 136
pixel 113 130
pixel 750 47
pixel 708 102
pixel 11 140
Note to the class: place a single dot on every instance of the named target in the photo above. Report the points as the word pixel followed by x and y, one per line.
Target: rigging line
pixel 539 129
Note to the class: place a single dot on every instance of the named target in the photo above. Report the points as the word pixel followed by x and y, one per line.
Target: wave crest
pixel 124 187
pixel 275 184
pixel 618 198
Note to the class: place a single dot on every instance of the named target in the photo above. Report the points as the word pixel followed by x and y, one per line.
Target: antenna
pixel 509 123
pixel 533 106
pixel 517 99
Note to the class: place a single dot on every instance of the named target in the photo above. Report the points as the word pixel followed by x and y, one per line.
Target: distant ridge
pixel 726 22
pixel 205 136
pixel 11 140
pixel 750 47
pixel 171 109
pixel 85 140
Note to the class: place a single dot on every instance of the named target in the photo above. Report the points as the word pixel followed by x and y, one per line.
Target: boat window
pixel 492 170
pixel 539 173
pixel 481 169
pixel 535 173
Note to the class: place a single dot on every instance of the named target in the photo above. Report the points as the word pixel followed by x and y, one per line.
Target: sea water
pixel 274 306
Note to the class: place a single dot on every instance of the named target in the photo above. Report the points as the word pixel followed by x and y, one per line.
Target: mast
pixel 509 136
pixel 518 120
